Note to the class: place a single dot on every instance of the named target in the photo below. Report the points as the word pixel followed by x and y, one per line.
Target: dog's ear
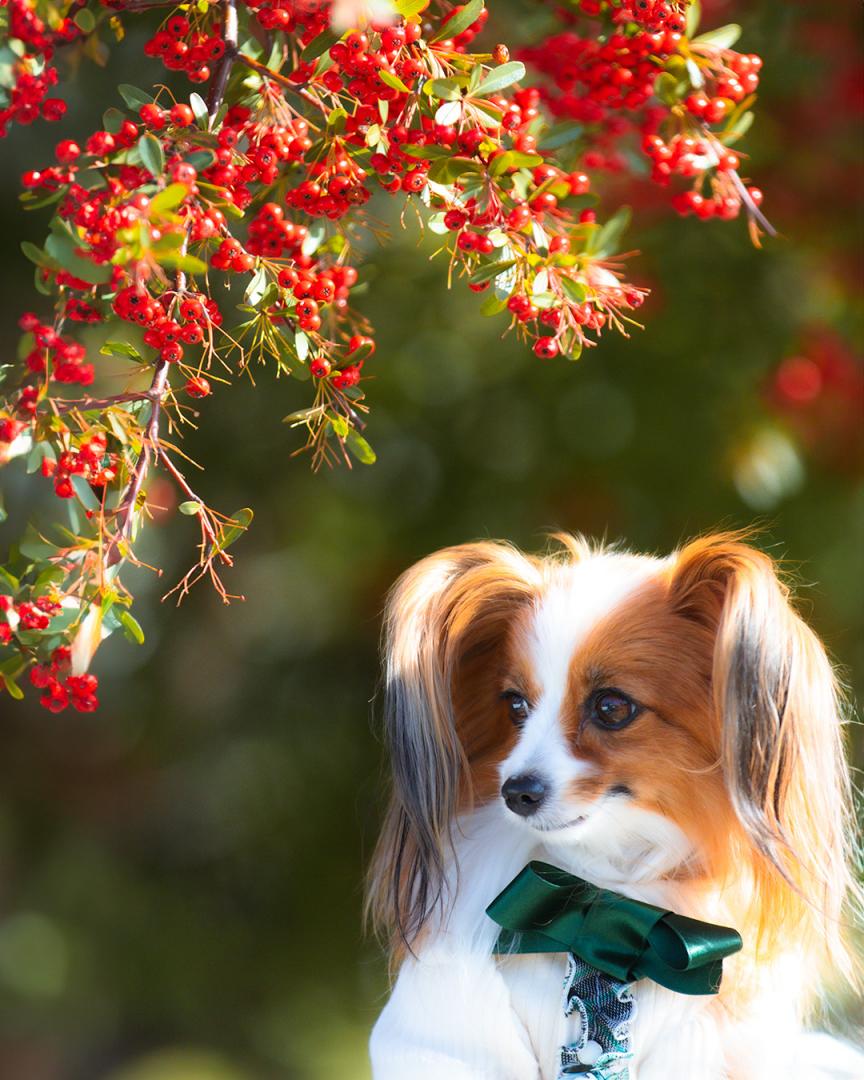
pixel 780 733
pixel 450 606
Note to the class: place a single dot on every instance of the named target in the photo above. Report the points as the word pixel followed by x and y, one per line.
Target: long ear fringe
pixel 782 750
pixel 432 613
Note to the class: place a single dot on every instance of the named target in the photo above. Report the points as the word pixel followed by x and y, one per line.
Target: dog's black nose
pixel 524 795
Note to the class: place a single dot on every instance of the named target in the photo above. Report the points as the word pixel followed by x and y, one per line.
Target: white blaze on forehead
pixel 577 598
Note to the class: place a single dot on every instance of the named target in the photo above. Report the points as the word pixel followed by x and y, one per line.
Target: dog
pixel 658 740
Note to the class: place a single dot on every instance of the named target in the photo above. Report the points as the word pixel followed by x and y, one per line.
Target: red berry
pixel 546 347
pixel 197 387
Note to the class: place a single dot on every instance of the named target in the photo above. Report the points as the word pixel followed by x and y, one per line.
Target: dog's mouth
pixel 561 826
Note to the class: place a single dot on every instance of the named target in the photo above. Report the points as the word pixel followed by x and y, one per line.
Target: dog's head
pixel 669 716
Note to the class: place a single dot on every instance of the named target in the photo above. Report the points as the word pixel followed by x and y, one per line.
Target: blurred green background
pixel 181 873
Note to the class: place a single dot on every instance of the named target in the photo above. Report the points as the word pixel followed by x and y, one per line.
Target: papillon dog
pixel 665 728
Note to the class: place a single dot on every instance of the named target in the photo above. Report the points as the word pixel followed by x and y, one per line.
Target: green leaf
pixel 724 37
pixel 409 8
pixel 487 273
pixel 131 627
pixel 446 170
pixel 189 264
pixel 339 424
pixel 443 89
pixel 360 448
pixel 190 508
pixel 561 135
pixel 694 16
pixel 166 200
pixel 35 254
pixel 85 493
pixel 232 532
pixel 493 305
pixel 121 348
pixel 12 688
pixel 463 18
pixel 85 20
pixel 738 127
pixel 607 239
pixel 134 97
pixel 319 45
pixel 429 153
pixel 199 108
pixel 255 288
pixel 112 120
pixel 576 292
pixel 61 247
pixel 513 159
pixel 501 77
pixel 300 416
pixel 152 154
pixel 389 79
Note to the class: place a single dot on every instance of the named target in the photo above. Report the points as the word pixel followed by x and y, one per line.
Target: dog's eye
pixel 518 705
pixel 612 709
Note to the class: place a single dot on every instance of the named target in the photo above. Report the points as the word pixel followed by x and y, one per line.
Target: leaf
pixel 501 77
pixel 190 508
pixel 134 97
pixel 493 305
pixel 300 416
pixel 166 200
pixel 430 153
pixel 446 170
pixel 199 108
pixel 61 248
pixel 35 254
pixel 256 287
pixel 609 236
pixel 85 20
pixel 448 113
pixel 301 346
pixel 738 127
pixel 121 348
pixel 463 18
pixel 389 79
pixel 112 120
pixel 561 135
pixel 487 273
pixel 131 627
pixel 409 8
pixel 240 522
pixel 319 45
pixel 443 89
pixel 513 159
pixel 85 493
pixel 11 687
pixel 694 15
pixel 152 154
pixel 724 37
pixel 360 448
pixel 189 264
pixel 576 292
pixel 339 425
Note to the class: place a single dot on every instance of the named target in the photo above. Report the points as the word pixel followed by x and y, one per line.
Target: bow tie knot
pixel 545 909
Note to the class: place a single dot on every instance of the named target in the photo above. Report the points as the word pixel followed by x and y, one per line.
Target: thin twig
pixel 220 79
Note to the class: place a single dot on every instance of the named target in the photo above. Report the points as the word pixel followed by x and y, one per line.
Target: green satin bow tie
pixel 545 909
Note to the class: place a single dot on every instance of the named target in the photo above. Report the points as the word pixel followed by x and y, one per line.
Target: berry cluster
pixel 89 460
pixel 33 75
pixel 260 192
pixel 682 100
pixel 182 46
pixel 54 356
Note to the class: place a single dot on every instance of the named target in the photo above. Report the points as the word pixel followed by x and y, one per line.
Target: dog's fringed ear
pixel 780 736
pixel 449 604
